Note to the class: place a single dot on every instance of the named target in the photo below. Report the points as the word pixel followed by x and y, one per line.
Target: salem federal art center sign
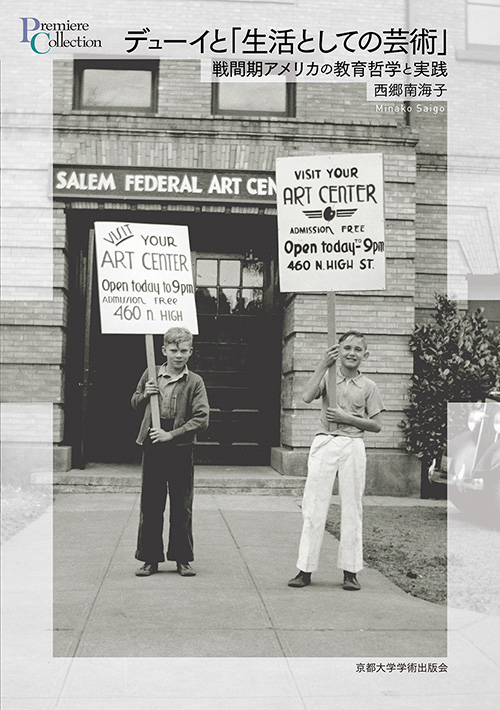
pixel 172 184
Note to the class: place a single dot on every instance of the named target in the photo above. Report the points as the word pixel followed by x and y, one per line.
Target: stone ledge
pixel 391 473
pixel 126 478
pixel 62 458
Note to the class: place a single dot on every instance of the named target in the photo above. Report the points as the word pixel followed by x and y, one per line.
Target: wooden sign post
pixel 151 365
pixel 332 339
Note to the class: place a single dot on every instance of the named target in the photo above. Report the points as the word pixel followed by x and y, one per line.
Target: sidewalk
pixel 233 633
pixel 238 604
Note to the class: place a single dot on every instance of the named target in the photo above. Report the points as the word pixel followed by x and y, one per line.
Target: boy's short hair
pixel 354 333
pixel 177 335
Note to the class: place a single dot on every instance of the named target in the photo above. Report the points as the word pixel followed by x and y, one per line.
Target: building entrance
pixel 237 351
pixel 233 354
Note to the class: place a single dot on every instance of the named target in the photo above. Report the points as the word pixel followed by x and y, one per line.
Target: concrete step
pixel 126 478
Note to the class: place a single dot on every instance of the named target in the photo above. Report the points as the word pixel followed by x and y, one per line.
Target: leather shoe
pixel 147 569
pixel 185 569
pixel 350 584
pixel 301 580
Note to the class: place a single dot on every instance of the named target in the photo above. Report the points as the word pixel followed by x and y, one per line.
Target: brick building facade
pixel 50 346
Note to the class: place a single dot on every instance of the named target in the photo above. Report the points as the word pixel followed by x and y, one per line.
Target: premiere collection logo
pixel 44 36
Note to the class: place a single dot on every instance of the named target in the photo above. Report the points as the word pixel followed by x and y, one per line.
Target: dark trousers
pixel 166 468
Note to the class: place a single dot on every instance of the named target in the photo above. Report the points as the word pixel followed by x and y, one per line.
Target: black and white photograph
pixel 250 355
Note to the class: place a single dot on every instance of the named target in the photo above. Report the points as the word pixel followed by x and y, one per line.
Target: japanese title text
pixel 239 40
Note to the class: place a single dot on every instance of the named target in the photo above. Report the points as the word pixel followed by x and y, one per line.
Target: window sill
pixel 478 55
pixel 110 111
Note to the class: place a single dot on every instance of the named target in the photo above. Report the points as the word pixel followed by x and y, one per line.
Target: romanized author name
pixel 409 108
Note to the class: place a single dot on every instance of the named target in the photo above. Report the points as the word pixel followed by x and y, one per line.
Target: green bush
pixel 456 359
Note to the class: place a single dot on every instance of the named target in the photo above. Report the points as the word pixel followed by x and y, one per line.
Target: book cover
pixel 140 124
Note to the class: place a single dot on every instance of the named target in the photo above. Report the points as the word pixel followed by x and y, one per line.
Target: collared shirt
pixel 166 383
pixel 191 410
pixel 358 396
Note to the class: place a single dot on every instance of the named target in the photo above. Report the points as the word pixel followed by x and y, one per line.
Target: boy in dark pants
pixel 167 464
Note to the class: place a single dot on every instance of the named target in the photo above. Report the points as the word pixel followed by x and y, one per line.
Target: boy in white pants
pixel 338 449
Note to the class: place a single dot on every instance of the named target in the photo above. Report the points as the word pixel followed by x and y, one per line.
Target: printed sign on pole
pixel 331 222
pixel 145 277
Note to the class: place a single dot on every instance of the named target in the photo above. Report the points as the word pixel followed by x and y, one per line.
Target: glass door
pixel 233 355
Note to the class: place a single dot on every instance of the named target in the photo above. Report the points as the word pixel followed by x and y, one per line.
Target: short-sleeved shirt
pixel 358 396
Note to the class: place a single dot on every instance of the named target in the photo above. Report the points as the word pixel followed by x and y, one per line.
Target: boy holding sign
pixel 338 447
pixel 167 464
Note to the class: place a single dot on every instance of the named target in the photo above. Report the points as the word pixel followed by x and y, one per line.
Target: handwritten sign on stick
pixel 145 278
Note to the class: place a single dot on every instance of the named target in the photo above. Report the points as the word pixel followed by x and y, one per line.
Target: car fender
pixel 461 452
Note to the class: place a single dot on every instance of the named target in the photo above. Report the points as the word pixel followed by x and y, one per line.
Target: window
pixel 229 286
pixel 116 85
pixel 483 23
pixel 483 292
pixel 258 98
pixel 482 38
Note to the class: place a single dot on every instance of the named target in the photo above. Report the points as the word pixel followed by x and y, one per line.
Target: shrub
pixel 456 359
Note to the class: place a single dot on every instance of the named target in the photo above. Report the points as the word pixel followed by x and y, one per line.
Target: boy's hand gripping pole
pixel 150 359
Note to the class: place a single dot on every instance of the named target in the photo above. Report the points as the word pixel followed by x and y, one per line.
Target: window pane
pixel 228 300
pixel 229 273
pixel 253 97
pixel 252 299
pixel 206 300
pixel 483 22
pixel 253 273
pixel 116 87
pixel 206 272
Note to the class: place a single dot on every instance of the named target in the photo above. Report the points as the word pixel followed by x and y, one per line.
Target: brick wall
pixel 386 317
pixel 329 118
pixel 340 121
pixel 473 155
pixel 34 332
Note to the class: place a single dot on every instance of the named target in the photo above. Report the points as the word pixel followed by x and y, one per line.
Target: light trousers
pixel 328 456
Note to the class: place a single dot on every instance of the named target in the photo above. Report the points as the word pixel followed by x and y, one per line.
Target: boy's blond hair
pixel 177 335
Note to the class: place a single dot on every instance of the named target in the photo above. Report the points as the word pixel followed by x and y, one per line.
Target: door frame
pixel 271 335
pixel 82 283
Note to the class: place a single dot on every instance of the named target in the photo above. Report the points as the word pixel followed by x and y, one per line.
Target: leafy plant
pixel 456 359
